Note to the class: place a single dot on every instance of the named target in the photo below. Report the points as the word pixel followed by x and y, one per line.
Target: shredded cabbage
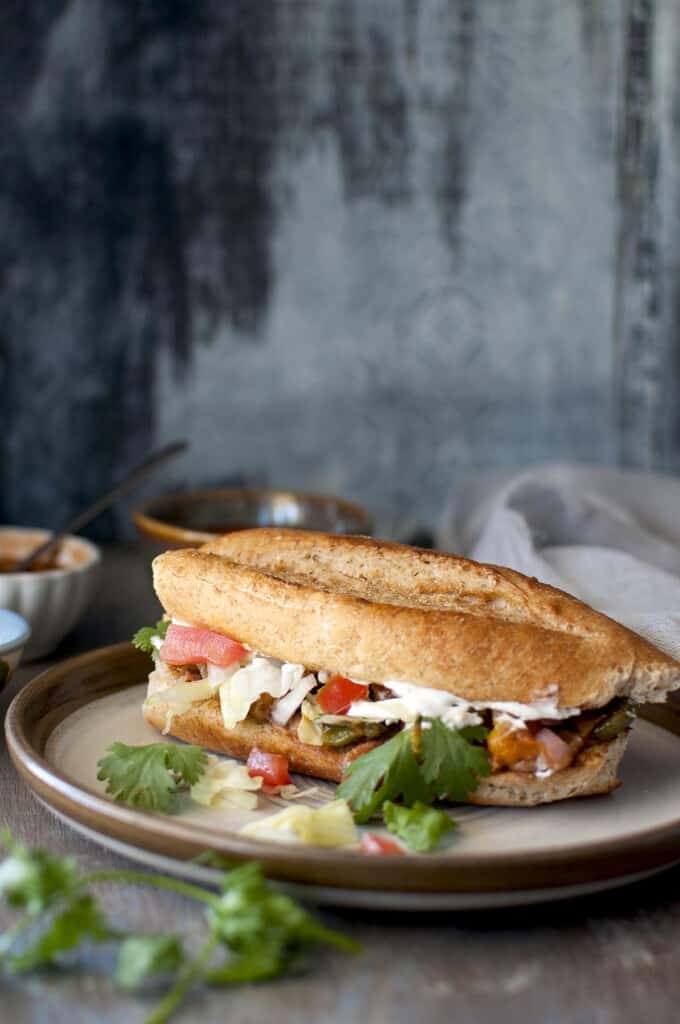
pixel 180 697
pixel 217 675
pixel 262 675
pixel 226 784
pixel 309 732
pixel 330 825
pixel 184 693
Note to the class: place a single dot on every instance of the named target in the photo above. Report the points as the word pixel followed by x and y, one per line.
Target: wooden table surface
pixel 609 958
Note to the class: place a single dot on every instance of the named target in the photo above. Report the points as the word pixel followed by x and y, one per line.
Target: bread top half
pixel 382 612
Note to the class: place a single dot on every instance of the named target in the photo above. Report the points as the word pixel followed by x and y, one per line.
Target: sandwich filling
pixel 325 709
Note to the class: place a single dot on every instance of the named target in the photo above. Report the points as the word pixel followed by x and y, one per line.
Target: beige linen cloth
pixel 610 537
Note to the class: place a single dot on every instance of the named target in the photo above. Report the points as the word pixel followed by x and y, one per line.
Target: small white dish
pixel 14 633
pixel 51 600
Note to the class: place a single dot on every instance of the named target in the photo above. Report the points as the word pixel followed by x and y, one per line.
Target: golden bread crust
pixel 593 772
pixel 379 612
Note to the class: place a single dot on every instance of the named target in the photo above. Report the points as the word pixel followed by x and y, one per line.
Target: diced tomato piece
pixel 188 645
pixel 372 843
pixel 273 768
pixel 335 697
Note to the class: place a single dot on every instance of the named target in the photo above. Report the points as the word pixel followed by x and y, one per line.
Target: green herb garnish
pixel 141 957
pixel 80 920
pixel 150 777
pixel 424 763
pixel 421 827
pixel 143 637
pixel 33 880
pixel 453 760
pixel 388 772
pixel 253 931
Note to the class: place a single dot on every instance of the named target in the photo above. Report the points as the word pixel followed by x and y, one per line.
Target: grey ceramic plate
pixel 60 724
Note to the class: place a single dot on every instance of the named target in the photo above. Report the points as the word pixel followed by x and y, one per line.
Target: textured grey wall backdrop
pixel 362 246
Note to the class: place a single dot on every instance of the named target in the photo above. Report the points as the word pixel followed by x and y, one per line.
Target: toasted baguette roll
pixel 383 612
pixel 593 771
pixel 379 612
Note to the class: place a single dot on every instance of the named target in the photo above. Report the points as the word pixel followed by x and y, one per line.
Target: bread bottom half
pixel 593 772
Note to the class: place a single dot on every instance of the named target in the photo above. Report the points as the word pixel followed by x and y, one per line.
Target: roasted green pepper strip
pixel 337 735
pixel 341 735
pixel 615 724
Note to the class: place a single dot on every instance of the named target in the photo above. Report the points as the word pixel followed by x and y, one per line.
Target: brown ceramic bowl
pixel 195 517
pixel 51 599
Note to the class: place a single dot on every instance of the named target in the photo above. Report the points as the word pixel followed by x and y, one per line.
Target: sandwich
pixel 393 670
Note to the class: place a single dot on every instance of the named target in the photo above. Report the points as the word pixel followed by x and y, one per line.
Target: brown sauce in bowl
pixel 7 564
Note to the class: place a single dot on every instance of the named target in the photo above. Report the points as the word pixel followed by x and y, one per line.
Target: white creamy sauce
pixel 241 684
pixel 412 701
pixel 543 770
pixel 546 707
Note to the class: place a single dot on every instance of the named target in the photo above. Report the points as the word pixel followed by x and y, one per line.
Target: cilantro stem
pixel 193 892
pixel 316 931
pixel 417 739
pixel 263 929
pixel 188 974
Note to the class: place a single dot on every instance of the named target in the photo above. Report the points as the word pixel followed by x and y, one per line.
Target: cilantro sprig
pixel 143 637
pixel 421 826
pixel 150 777
pixel 453 760
pixel 254 932
pixel 141 957
pixel 79 921
pixel 421 764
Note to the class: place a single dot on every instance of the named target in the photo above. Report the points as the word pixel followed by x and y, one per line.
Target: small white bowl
pixel 51 600
pixel 14 632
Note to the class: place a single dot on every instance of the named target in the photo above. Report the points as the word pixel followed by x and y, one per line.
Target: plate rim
pixel 378 899
pixel 578 863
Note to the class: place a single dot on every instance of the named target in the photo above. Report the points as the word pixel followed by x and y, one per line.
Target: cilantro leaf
pixel 149 777
pixel 143 637
pixel 186 761
pixel 81 919
pixel 421 827
pixel 452 762
pixel 141 957
pixel 33 880
pixel 416 764
pixel 393 769
pixel 249 909
pixel 267 962
pixel 264 929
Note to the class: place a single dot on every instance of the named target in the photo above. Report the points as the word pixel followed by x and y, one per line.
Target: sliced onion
pixel 556 752
pixel 285 707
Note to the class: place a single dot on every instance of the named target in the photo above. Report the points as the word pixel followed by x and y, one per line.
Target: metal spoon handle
pixel 128 483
